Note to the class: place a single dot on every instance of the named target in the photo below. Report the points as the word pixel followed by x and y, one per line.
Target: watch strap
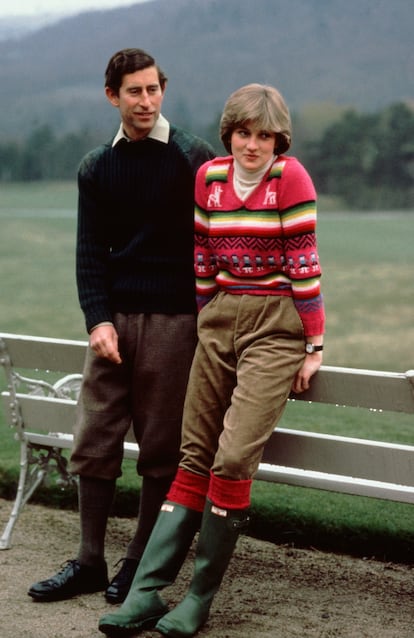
pixel 311 348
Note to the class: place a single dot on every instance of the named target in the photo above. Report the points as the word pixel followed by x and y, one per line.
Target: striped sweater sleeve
pixel 205 265
pixel 297 208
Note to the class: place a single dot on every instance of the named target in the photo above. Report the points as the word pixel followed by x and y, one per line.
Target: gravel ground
pixel 269 591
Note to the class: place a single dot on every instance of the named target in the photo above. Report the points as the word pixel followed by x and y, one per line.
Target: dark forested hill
pixel 356 53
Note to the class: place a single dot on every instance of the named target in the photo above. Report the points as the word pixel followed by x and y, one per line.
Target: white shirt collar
pixel 160 132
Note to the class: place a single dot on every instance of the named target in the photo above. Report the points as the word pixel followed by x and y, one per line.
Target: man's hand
pixel 311 365
pixel 104 342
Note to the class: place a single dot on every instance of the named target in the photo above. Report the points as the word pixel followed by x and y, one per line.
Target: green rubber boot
pixel 163 557
pixel 220 529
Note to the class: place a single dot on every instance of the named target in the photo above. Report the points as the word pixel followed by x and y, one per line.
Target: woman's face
pixel 252 147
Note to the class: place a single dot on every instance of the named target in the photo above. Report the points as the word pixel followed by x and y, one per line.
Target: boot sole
pixel 53 598
pixel 113 631
pixel 170 632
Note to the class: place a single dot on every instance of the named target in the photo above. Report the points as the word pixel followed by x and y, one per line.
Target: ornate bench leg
pixel 23 493
pixel 35 464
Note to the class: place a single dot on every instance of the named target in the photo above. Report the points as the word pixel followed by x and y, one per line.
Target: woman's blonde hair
pixel 261 105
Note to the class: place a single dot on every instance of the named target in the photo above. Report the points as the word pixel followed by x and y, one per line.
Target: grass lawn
pixel 369 291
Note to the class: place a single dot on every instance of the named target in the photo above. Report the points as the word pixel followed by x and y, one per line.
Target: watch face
pixel 309 348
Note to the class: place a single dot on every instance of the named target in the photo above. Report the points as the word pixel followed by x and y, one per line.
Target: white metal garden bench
pixel 43 378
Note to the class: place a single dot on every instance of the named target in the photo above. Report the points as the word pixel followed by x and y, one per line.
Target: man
pixel 136 288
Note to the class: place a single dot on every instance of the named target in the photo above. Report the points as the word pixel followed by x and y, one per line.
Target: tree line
pixel 366 160
pixel 43 155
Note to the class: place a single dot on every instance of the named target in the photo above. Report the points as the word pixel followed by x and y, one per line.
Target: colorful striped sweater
pixel 265 245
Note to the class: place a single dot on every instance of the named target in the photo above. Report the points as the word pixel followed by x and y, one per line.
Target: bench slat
pixel 335 483
pixel 370 389
pixel 357 458
pixel 65 441
pixel 62 355
pixel 41 413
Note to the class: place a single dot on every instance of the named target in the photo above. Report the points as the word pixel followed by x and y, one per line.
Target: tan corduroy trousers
pixel 249 350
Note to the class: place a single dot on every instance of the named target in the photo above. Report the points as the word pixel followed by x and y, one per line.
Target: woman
pixel 260 329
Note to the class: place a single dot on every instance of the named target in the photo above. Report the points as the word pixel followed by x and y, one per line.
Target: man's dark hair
pixel 129 61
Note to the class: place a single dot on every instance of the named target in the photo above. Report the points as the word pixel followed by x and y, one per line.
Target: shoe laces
pixel 69 563
pixel 121 560
pixel 129 566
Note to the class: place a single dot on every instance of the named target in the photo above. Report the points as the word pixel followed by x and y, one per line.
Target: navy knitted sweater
pixel 136 227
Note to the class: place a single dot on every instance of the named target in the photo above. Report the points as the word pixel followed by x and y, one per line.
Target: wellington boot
pixel 220 529
pixel 134 616
pixel 163 557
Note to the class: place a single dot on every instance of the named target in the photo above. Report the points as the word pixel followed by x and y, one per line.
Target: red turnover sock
pixel 229 494
pixel 189 489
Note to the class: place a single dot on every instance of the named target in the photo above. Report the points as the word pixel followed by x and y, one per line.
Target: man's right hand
pixel 104 342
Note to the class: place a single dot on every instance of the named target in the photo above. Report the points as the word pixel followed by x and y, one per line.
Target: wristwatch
pixel 310 348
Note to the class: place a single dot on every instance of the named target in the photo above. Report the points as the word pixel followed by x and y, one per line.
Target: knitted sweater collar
pixel 244 182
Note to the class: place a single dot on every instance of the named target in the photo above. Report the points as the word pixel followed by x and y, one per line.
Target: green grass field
pixel 367 283
pixel 369 292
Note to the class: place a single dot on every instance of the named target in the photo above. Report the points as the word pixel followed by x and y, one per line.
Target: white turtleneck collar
pixel 245 182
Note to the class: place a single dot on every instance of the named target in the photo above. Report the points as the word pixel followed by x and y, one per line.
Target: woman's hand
pixel 311 364
pixel 104 342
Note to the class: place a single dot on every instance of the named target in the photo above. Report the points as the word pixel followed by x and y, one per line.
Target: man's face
pixel 139 101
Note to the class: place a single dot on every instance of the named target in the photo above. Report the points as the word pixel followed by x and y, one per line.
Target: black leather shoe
pixel 120 584
pixel 71 580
